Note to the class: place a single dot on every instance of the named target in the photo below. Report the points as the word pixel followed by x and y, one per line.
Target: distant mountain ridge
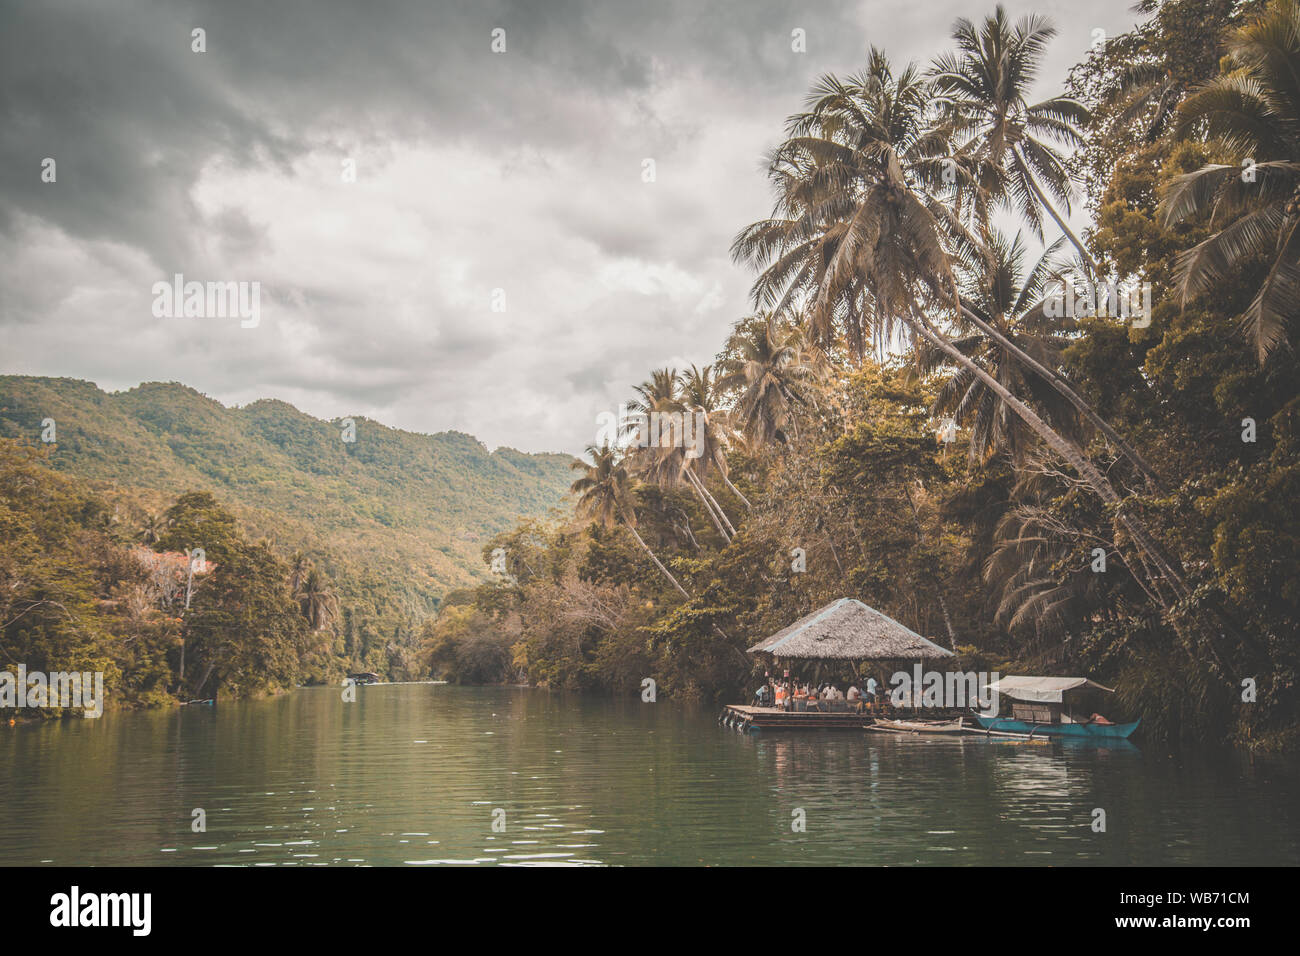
pixel 417 507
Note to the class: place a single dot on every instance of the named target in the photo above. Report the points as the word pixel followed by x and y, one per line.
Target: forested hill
pixel 413 510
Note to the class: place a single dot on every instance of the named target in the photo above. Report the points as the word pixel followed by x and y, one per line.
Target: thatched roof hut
pixel 849 630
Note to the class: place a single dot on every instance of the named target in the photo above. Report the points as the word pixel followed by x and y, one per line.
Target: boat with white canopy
pixel 1054 707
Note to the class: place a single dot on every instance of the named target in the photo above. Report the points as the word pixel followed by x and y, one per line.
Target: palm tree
pixel 1025 570
pixel 1159 74
pixel 152 527
pixel 1002 152
pixel 1014 303
pixel 983 89
pixel 701 392
pixel 299 565
pixel 605 496
pixel 872 243
pixel 856 183
pixel 1013 300
pixel 772 372
pixel 317 601
pixel 658 426
pixel 1253 111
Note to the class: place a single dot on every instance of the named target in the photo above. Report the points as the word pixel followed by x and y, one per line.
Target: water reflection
pixel 417 774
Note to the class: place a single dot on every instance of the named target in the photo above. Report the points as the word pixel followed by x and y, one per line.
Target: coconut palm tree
pixel 299 565
pixel 864 162
pixel 1159 74
pixel 701 393
pixel 317 601
pixel 152 527
pixel 881 239
pixel 859 181
pixel 983 91
pixel 605 496
pixel 658 427
pixel 1253 112
pixel 773 373
pixel 1013 299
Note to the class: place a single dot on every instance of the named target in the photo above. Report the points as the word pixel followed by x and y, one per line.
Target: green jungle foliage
pixel 895 312
pixel 907 417
pixel 385 525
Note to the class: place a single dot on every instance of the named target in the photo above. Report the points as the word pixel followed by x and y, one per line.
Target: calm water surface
pixel 411 774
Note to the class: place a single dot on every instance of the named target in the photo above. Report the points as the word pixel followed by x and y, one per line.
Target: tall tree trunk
pixel 947 618
pixel 1066 450
pixel 681 590
pixel 690 532
pixel 690 480
pixel 1062 385
pixel 713 501
pixel 1163 108
pixel 658 564
pixel 198 688
pixel 734 490
pixel 1027 175
pixel 835 554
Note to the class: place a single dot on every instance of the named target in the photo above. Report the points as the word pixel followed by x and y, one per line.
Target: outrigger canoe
pixel 1009 725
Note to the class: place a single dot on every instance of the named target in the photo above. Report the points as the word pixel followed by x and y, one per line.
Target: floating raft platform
pixel 770 718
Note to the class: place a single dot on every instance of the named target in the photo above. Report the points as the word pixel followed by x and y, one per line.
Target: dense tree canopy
pixel 909 422
pixel 907 416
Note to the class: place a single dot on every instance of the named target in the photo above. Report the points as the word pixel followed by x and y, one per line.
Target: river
pixel 422 775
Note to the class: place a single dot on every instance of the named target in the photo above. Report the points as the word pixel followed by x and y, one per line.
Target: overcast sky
pixel 475 171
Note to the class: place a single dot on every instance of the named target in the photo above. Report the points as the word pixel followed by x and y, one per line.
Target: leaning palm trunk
pixel 658 564
pixel 947 619
pixel 690 533
pixel 1073 455
pixel 734 490
pixel 713 516
pixel 1062 385
pixel 680 590
pixel 704 489
pixel 938 588
pixel 1037 190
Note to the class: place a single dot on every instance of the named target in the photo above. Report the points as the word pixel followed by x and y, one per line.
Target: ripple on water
pixel 425 775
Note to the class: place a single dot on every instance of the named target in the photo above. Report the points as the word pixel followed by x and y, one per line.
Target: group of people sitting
pixel 795 695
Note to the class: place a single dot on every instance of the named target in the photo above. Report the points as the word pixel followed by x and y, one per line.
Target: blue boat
pixel 1052 707
pixel 1008 725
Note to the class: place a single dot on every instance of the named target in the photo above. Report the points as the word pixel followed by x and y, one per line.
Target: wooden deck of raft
pixel 769 718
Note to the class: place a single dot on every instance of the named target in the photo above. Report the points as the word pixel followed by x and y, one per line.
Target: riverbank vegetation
pixel 910 417
pixel 945 401
pixel 384 521
pixel 88 585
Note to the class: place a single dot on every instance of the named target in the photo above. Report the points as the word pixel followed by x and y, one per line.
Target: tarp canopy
pixel 1042 690
pixel 847 629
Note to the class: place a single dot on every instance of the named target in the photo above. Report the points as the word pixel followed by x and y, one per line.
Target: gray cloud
pixel 476 171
